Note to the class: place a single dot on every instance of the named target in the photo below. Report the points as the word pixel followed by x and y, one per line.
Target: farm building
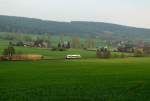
pixel 126 48
pixel 145 49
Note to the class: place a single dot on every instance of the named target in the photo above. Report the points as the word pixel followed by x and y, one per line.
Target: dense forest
pixel 80 28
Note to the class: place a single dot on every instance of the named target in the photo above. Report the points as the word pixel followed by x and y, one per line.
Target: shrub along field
pixel 76 80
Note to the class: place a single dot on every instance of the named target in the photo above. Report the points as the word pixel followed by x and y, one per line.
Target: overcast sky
pixel 125 12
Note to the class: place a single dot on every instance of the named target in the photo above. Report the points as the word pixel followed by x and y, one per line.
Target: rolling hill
pixel 80 28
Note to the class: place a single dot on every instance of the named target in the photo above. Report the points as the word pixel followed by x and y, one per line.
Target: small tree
pixel 68 45
pixel 9 51
pixel 103 53
pixel 75 43
pixel 20 43
pixel 90 43
pixel 63 45
pixel 59 45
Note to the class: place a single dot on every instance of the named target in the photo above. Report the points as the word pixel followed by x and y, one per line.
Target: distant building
pixel 126 48
pixel 145 48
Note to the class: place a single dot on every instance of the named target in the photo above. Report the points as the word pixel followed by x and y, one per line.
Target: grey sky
pixel 126 12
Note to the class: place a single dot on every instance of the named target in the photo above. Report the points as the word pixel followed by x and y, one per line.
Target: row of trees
pixel 18 36
pixel 74 42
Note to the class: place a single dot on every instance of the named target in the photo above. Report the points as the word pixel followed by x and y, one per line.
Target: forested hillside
pixel 80 28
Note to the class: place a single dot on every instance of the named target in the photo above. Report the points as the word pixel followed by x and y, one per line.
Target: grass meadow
pixel 76 80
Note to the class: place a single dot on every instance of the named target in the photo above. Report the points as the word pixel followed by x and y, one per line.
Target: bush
pixel 103 53
pixel 58 49
pixel 54 49
pixel 20 43
pixel 62 49
pixel 138 53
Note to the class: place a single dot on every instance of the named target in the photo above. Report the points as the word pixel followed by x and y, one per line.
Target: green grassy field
pixel 76 80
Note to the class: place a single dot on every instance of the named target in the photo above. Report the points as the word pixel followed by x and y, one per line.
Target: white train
pixel 73 56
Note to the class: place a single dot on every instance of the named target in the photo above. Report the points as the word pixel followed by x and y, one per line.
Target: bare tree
pixel 75 43
pixel 90 43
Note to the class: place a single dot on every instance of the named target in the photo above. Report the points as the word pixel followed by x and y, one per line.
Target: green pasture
pixel 76 80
